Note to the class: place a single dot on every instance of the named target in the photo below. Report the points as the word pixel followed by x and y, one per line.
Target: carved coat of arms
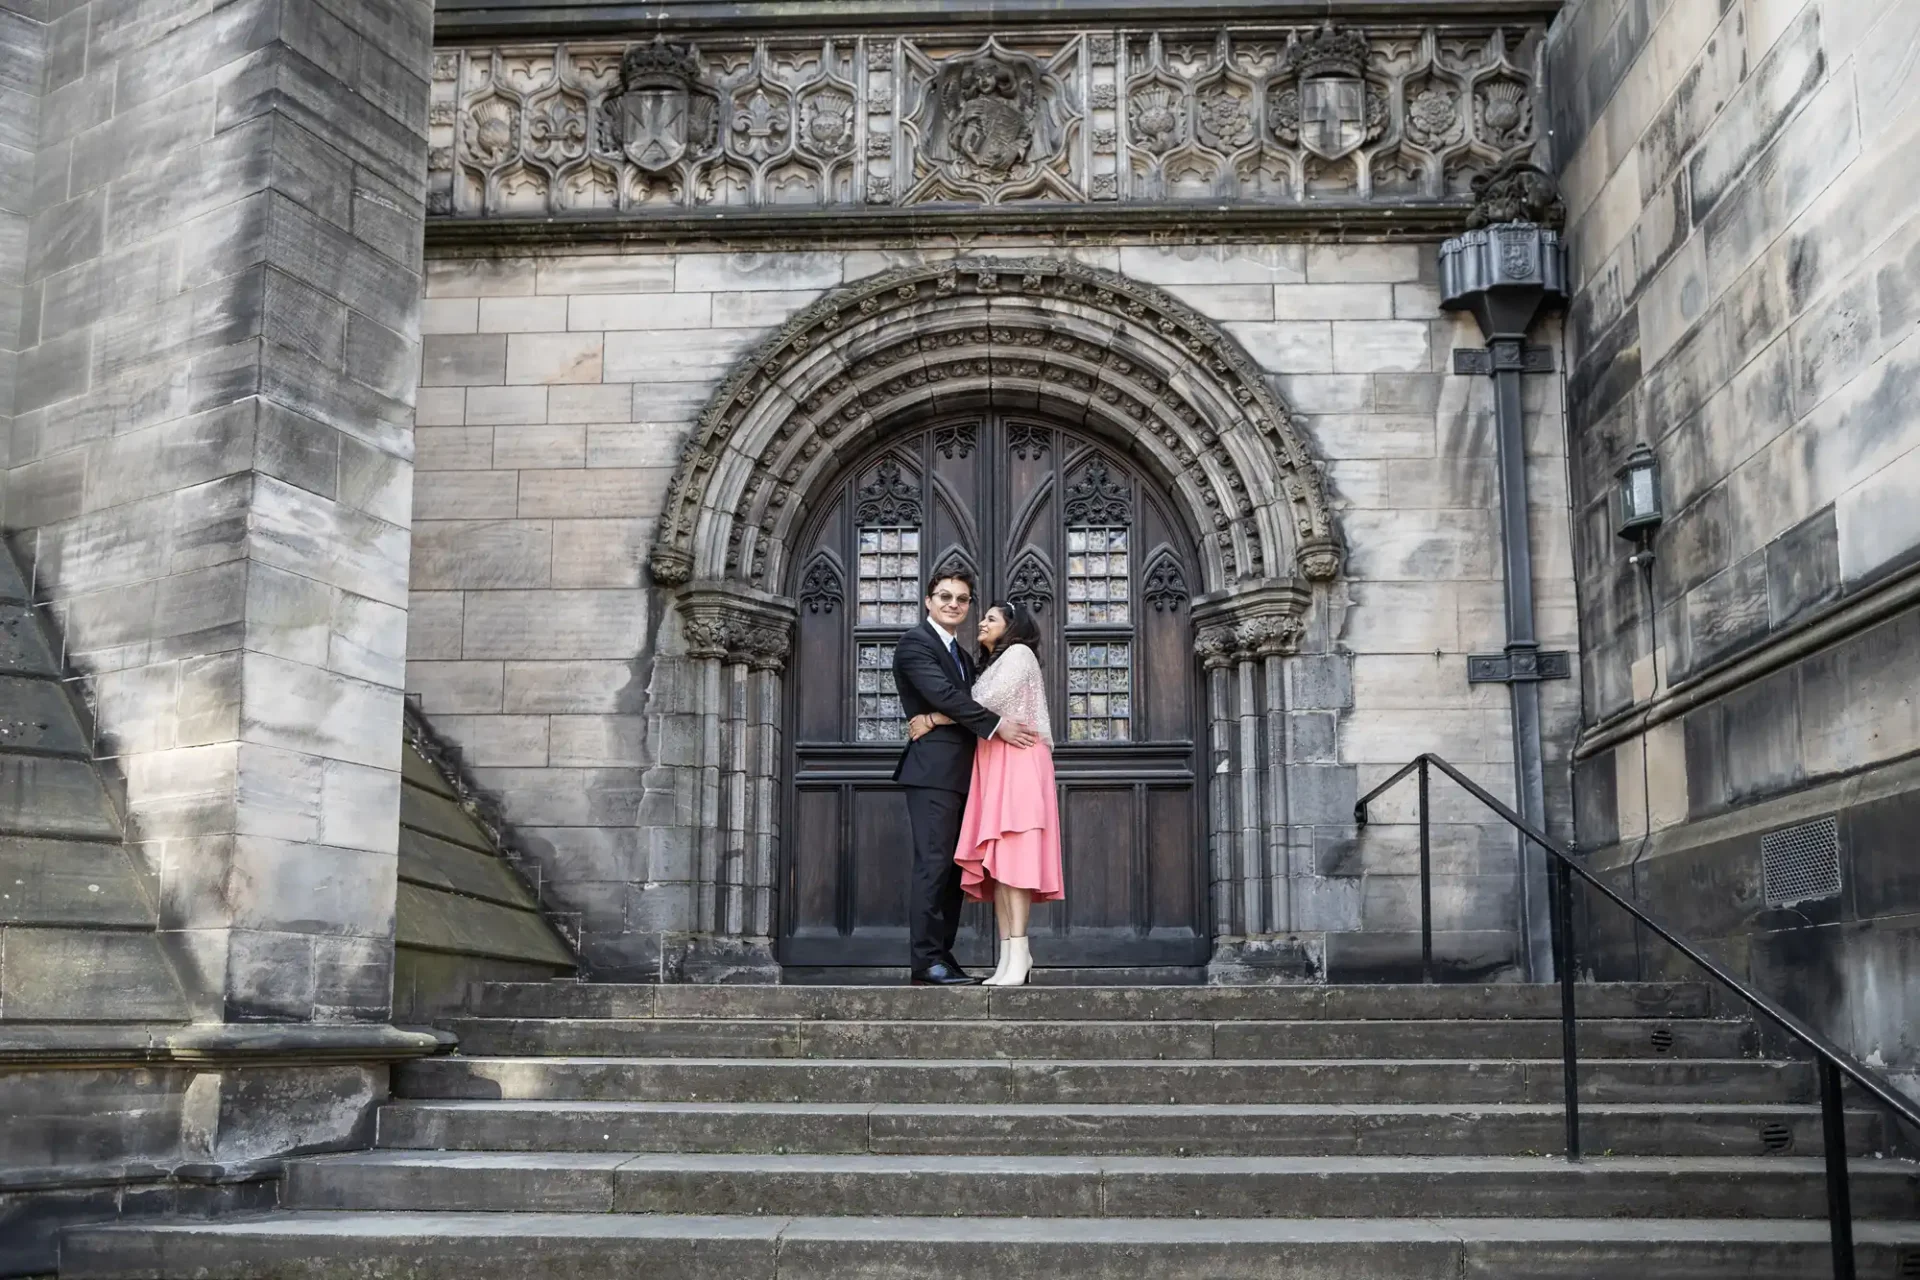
pixel 660 114
pixel 1330 109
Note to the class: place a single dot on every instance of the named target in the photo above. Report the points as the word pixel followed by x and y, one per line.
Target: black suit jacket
pixel 925 676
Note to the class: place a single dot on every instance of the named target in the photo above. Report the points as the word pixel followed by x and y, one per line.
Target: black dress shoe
pixel 942 975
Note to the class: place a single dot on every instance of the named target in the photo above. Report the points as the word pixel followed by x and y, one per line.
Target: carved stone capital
pixel 1251 622
pixel 735 622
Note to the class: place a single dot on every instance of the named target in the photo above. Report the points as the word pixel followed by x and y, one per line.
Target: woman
pixel 1009 846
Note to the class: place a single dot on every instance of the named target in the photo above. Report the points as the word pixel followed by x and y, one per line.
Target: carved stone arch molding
pixel 1088 346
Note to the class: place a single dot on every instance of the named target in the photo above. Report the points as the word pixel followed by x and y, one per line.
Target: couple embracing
pixel 978 773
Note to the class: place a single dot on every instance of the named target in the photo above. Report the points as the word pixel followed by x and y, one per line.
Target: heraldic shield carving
pixel 661 115
pixel 1331 110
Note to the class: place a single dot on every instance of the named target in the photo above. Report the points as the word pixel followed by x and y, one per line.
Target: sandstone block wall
pixel 556 392
pixel 1748 256
pixel 209 475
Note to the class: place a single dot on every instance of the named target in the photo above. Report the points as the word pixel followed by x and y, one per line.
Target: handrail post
pixel 1560 884
pixel 1426 881
pixel 1833 1124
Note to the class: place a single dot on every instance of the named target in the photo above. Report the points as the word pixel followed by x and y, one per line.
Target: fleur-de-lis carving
pixel 760 125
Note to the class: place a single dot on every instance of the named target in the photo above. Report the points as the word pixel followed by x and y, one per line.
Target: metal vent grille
pixel 1776 1136
pixel 1663 1039
pixel 1910 1264
pixel 1801 863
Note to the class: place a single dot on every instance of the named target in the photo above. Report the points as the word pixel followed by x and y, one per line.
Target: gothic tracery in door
pixel 1065 525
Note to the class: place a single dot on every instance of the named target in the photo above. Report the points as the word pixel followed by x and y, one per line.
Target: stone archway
pixel 1082 343
pixel 1085 346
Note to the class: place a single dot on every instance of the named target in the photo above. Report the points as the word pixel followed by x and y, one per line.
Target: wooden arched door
pixel 1063 523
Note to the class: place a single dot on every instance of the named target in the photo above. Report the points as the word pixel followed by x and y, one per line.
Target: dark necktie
pixel 953 649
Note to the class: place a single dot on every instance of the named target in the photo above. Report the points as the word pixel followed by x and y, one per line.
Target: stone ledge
pixel 466 18
pixel 1839 621
pixel 74 1045
pixel 796 228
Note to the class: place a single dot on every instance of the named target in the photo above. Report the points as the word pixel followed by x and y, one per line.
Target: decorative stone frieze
pixel 1122 356
pixel 1393 112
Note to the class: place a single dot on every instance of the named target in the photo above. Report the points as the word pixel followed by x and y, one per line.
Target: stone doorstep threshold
pixel 56 1045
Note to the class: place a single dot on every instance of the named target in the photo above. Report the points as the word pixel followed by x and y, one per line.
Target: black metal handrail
pixel 1835 1063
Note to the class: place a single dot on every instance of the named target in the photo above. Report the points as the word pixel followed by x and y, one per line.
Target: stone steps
pixel 1014 1130
pixel 1092 1187
pixel 977 1038
pixel 1092 1004
pixel 1721 1080
pixel 514 1246
pixel 730 1133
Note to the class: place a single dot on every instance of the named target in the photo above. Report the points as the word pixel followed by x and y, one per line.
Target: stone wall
pixel 209 476
pixel 210 224
pixel 1744 237
pixel 557 391
pixel 23 50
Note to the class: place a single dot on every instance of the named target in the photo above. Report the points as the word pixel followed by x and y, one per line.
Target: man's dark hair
pixel 952 575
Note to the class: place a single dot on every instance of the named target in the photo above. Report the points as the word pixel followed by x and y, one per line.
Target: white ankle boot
pixel 1019 964
pixel 1000 969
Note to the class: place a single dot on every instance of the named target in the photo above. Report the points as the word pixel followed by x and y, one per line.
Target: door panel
pixel 1066 526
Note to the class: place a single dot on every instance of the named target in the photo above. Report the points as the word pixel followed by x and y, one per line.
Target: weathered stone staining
pixel 1334 113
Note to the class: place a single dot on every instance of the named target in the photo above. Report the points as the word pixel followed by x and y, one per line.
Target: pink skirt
pixel 1010 833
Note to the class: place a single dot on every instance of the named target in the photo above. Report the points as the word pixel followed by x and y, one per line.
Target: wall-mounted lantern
pixel 1639 487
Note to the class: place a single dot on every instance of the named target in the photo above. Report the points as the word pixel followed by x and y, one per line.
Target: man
pixel 934 672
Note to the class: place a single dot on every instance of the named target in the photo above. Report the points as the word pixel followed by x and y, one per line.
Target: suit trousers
pixel 934 910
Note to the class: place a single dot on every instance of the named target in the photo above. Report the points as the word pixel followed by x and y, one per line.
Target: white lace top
pixel 1013 688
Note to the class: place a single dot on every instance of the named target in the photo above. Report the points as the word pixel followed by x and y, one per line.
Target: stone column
pixel 1216 656
pixel 1243 637
pixel 210 480
pixel 740 638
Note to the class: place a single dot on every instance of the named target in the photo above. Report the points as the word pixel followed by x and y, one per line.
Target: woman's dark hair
pixel 1021 629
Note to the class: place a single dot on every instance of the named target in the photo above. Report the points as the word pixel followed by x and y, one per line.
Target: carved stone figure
pixel 659 115
pixel 1517 192
pixel 983 112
